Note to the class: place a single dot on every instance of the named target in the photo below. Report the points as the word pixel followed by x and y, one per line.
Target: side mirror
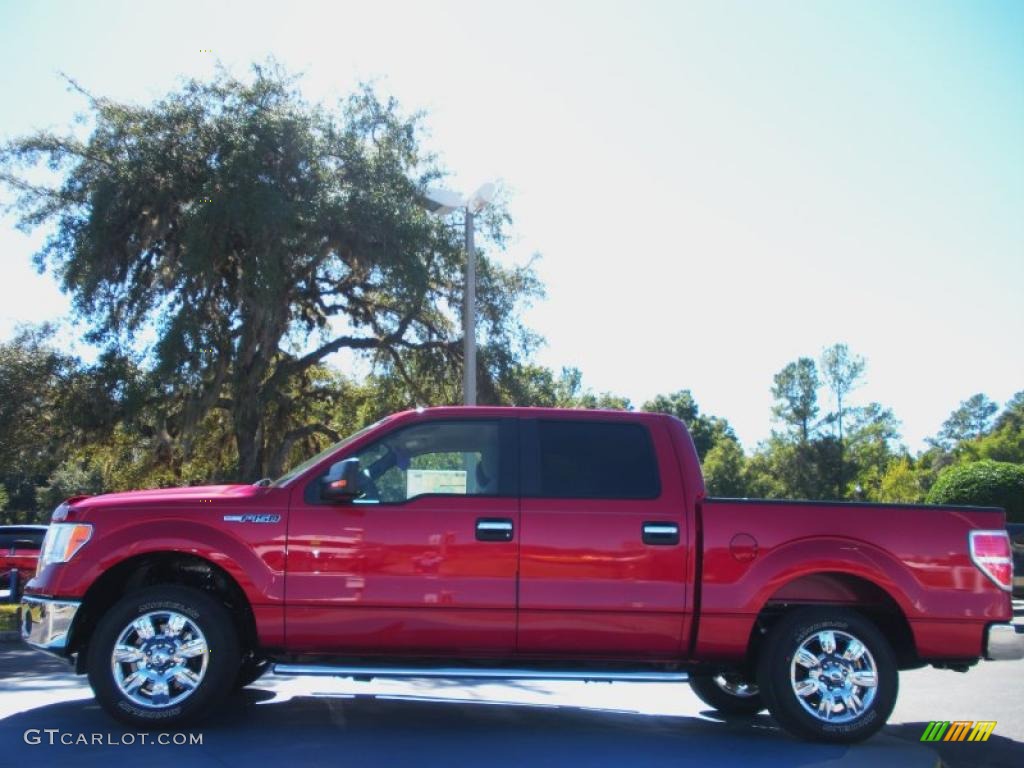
pixel 342 481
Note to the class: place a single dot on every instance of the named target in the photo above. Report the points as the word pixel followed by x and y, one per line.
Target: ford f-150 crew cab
pixel 518 543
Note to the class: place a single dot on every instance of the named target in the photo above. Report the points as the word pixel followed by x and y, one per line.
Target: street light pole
pixel 469 316
pixel 442 202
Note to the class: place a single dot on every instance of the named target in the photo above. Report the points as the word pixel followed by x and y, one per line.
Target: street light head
pixel 481 197
pixel 442 201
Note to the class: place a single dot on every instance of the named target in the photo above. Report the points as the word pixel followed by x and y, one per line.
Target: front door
pixel 425 561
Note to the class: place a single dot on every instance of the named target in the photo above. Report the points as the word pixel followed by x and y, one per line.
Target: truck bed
pixel 757 553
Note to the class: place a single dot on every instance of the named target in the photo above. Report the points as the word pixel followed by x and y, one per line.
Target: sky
pixel 714 188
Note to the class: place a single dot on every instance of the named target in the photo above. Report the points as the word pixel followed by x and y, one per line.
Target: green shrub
pixel 8 618
pixel 983 483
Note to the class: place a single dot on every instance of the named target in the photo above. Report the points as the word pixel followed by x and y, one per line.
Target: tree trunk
pixel 248 417
pixel 839 487
pixel 249 440
pixel 262 329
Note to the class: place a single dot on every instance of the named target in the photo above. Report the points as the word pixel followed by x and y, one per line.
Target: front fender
pixel 258 570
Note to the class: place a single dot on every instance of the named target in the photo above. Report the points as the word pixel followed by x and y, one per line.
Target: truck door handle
pixel 493 529
pixel 660 533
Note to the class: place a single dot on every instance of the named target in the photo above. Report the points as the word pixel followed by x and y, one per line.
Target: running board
pixel 491 673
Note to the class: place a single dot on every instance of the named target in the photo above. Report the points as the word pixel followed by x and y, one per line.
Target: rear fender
pixel 734 593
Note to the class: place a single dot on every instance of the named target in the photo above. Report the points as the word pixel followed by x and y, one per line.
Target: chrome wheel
pixel 834 676
pixel 735 686
pixel 159 659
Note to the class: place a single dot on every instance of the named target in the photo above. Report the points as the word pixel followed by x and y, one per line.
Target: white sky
pixel 716 188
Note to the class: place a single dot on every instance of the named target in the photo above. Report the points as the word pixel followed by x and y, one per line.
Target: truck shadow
pixel 262 727
pixel 19 662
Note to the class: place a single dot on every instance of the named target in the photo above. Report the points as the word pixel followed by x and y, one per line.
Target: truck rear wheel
pixel 728 694
pixel 163 657
pixel 828 675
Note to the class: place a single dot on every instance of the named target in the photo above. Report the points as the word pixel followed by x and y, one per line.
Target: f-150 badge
pixel 252 518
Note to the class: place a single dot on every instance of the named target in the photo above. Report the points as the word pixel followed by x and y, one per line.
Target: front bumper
pixel 46 622
pixel 1004 642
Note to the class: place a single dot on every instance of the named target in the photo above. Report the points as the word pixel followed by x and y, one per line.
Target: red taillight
pixel 990 551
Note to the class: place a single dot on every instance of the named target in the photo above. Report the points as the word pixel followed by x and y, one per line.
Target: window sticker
pixel 420 481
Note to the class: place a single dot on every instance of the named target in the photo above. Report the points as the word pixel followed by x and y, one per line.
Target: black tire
pixel 776 668
pixel 709 690
pixel 221 657
pixel 252 669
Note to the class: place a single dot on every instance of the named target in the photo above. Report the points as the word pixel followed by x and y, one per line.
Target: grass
pixel 8 617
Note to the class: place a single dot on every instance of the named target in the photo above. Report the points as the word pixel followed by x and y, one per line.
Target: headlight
pixel 61 542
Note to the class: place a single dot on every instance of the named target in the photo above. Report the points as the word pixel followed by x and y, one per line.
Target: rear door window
pixel 593 460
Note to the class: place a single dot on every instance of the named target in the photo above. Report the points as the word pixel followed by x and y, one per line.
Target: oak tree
pixel 231 237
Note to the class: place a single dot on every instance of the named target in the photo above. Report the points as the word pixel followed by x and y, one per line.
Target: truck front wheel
pixel 163 656
pixel 728 694
pixel 828 675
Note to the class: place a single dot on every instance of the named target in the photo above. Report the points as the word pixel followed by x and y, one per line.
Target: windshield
pixel 286 478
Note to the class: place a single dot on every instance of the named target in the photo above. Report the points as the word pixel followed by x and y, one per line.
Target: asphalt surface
pixel 337 722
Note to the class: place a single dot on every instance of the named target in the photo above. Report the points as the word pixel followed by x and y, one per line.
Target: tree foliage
pixel 969 421
pixel 842 372
pixel 804 459
pixel 869 449
pixel 1004 441
pixel 706 431
pixel 724 467
pixel 900 484
pixel 795 389
pixel 35 383
pixel 783 468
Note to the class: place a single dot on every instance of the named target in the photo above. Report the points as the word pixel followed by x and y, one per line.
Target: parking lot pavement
pixel 339 722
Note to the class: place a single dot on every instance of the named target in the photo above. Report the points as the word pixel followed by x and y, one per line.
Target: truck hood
pixel 170 496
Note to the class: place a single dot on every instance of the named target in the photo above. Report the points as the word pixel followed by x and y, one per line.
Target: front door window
pixel 438 458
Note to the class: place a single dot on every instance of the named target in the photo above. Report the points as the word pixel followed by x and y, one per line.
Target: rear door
pixel 603 543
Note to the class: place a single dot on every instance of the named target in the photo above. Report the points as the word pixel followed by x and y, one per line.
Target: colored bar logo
pixel 958 730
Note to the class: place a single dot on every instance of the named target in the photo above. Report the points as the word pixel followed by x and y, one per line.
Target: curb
pixel 12 636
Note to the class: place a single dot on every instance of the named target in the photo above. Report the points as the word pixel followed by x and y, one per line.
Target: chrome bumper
pixel 45 622
pixel 1004 642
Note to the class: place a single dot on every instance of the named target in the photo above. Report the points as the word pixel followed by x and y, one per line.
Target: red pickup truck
pixel 518 543
pixel 19 557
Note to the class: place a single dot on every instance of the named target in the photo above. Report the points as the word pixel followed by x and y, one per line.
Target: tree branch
pixel 276 466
